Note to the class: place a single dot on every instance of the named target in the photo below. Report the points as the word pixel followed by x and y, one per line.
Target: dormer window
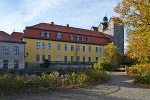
pixel 82 38
pixel 77 38
pixel 59 35
pixel 47 34
pixel 71 37
pixel 42 33
pixel 88 39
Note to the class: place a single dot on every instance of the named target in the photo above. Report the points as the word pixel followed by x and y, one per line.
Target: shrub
pixel 142 79
pixel 9 84
pixel 46 64
pixel 139 69
pixel 103 65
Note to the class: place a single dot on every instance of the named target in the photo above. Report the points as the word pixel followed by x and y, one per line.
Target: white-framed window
pixel 16 50
pixel 43 57
pixel 82 38
pixel 100 49
pixel 83 58
pixel 96 58
pixel 72 58
pixel 37 45
pixel 96 49
pixel 71 37
pixel 89 59
pixel 100 58
pixel 59 35
pixel 78 47
pixel 65 58
pixel 65 47
pixel 48 45
pixel 72 47
pixel 47 34
pixel 49 57
pixel 43 45
pixel 78 58
pixel 37 57
pixel 42 33
pixel 58 46
pixel 16 64
pixel 83 48
pixel 5 49
pixel 89 48
pixel 77 38
pixel 58 57
pixel 88 39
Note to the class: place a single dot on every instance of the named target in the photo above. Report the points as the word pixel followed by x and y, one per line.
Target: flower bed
pixel 79 78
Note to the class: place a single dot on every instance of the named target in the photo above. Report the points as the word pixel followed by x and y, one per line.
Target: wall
pixel 31 49
pixel 11 56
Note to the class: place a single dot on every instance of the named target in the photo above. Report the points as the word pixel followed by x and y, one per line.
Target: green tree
pixel 111 54
pixel 135 15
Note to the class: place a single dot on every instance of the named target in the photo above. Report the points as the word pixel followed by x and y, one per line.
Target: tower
pixel 114 31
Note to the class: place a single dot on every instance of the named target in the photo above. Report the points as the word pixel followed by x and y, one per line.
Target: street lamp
pixel 26 55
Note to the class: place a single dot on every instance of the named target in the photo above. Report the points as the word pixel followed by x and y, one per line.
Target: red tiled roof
pixel 5 37
pixel 17 34
pixel 46 26
pixel 35 32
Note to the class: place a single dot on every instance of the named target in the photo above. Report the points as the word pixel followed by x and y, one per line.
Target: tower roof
pixel 105 19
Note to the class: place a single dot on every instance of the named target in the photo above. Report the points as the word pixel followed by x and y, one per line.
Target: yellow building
pixel 62 43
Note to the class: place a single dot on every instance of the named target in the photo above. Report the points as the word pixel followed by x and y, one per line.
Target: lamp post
pixel 26 55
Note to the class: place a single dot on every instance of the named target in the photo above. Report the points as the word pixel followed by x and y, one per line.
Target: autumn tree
pixel 135 15
pixel 111 54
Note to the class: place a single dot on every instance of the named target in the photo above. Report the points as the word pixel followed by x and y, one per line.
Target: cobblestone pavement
pixel 118 88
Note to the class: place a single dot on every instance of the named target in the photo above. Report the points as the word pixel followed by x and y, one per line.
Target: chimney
pixel 24 31
pixel 52 23
pixel 67 25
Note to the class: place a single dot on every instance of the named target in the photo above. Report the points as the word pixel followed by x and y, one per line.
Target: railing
pixel 70 62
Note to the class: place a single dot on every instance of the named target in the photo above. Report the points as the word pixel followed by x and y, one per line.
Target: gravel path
pixel 118 88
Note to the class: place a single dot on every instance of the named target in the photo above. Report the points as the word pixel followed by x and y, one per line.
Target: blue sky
pixel 17 14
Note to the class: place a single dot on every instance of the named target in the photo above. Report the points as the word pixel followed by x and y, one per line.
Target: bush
pixel 142 79
pixel 9 84
pixel 46 64
pixel 139 69
pixel 103 65
pixel 141 72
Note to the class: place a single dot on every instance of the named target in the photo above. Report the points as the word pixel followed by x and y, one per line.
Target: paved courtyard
pixel 118 88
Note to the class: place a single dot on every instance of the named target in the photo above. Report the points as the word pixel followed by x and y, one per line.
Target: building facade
pixel 68 44
pixel 62 43
pixel 11 52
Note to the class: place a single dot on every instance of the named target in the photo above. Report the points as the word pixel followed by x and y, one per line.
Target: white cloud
pixel 77 13
pixel 38 8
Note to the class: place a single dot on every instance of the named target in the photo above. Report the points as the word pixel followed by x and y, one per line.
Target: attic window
pixel 71 37
pixel 88 39
pixel 47 34
pixel 42 33
pixel 82 38
pixel 59 35
pixel 77 38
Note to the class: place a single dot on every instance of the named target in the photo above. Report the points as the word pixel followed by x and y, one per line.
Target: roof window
pixel 59 35
pixel 42 33
pixel 47 34
pixel 71 37
pixel 82 38
pixel 88 39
